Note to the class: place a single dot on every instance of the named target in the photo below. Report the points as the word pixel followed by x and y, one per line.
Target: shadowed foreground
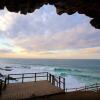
pixel 72 96
pixel 49 89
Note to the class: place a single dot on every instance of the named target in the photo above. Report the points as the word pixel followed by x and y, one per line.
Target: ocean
pixel 77 72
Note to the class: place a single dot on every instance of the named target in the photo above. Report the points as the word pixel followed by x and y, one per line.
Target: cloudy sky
pixel 44 34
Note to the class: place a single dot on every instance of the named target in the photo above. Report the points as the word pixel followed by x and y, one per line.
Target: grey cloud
pixel 5 51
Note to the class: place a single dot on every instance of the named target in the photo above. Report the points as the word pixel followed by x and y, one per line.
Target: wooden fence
pixel 93 87
pixel 56 81
pixel 10 78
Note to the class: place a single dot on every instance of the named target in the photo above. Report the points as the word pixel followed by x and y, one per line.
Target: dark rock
pixel 94 23
pixel 6 69
pixel 90 8
pixel 1 75
pixel 1 69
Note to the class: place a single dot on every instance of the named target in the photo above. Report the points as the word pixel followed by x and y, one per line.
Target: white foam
pixel 72 82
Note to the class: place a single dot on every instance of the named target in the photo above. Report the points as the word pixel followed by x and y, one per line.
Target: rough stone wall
pixel 90 8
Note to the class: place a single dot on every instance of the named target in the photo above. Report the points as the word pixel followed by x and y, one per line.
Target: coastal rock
pixel 6 69
pixel 90 8
pixel 1 75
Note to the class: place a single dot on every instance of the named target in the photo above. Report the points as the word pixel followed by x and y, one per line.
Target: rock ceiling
pixel 90 8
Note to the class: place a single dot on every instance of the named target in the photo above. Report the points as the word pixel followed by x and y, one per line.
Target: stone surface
pixel 90 8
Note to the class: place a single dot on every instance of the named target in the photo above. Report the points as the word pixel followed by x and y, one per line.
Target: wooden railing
pixel 2 85
pixel 21 77
pixel 56 81
pixel 93 87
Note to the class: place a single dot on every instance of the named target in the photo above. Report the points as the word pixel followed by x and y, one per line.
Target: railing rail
pixel 56 81
pixel 93 87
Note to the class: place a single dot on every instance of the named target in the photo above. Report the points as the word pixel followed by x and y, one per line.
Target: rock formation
pixel 90 8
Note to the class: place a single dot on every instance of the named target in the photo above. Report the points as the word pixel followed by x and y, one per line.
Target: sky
pixel 44 34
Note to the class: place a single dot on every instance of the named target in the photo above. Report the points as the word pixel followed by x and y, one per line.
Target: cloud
pixel 73 38
pixel 46 33
pixel 6 21
pixel 95 50
pixel 5 51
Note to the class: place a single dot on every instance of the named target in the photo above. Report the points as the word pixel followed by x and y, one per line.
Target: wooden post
pixel 97 89
pixel 22 78
pixel 5 83
pixel 85 88
pixel 47 76
pixel 35 77
pixel 53 79
pixel 64 84
pixel 59 81
pixel 0 87
pixel 50 78
pixel 8 78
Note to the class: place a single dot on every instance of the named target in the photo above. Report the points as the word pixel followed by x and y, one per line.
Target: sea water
pixel 77 72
